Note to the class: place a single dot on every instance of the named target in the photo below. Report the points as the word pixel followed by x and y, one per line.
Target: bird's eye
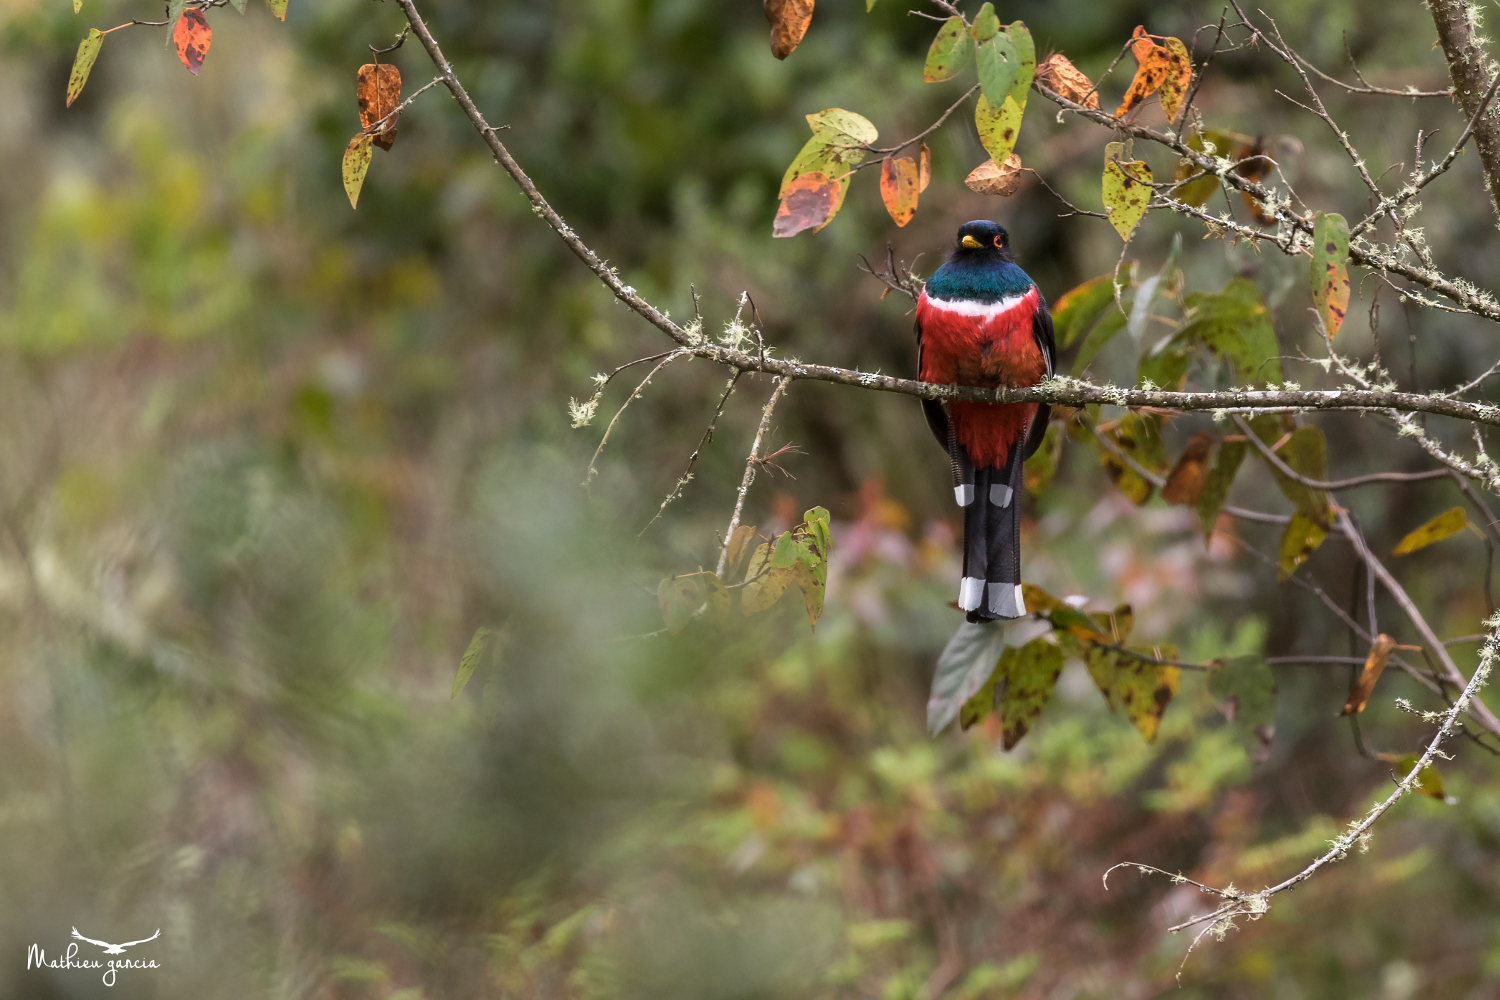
pixel 997 242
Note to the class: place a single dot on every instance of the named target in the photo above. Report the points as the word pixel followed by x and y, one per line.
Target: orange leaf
pixel 192 36
pixel 899 184
pixel 1186 479
pixel 1141 44
pixel 378 89
pixel 1151 74
pixel 924 168
pixel 1380 652
pixel 808 203
pixel 788 20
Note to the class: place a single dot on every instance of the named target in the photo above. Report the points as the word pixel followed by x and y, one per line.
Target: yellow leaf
pixel 88 51
pixel 278 7
pixel 1127 192
pixel 1131 681
pixel 1300 540
pixel 356 164
pixel 766 583
pixel 1449 522
pixel 998 127
pixel 1179 76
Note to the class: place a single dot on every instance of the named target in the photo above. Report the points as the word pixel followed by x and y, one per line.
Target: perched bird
pixel 982 321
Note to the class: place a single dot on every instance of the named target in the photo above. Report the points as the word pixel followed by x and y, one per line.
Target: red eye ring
pixel 998 243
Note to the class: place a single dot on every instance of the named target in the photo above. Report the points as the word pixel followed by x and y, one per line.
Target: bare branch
pixel 752 462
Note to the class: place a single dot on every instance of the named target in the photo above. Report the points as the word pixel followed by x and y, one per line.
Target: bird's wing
pixel 153 937
pixel 102 944
pixel 932 409
pixel 1046 342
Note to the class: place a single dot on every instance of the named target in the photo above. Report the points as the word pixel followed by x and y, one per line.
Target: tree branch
pixel 1470 69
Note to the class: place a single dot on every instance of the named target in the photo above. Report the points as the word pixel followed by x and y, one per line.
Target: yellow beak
pixel 972 243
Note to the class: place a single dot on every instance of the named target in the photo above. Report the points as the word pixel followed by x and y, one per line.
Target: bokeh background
pixel 267 463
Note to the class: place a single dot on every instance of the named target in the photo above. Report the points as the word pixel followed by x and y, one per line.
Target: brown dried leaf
pixel 988 178
pixel 192 36
pixel 924 168
pixel 788 20
pixel 899 185
pixel 808 203
pixel 1186 479
pixel 378 89
pixel 1064 79
pixel 1359 693
pixel 1255 166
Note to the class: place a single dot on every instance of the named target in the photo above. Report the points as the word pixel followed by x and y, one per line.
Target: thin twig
pixel 751 464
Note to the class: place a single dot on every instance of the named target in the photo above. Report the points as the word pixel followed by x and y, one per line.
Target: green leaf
pixel 986 24
pixel 83 63
pixel 470 660
pixel 1449 522
pixel 1126 194
pixel 950 52
pixel 1038 470
pixel 356 165
pixel 997 61
pixel 1030 675
pixel 785 552
pixel 1079 307
pixel 678 597
pixel 1299 541
pixel 835 149
pixel 1245 689
pixel 1139 436
pixel 278 7
pixel 1102 334
pixel 870 5
pixel 715 597
pixel 998 128
pixel 812 581
pixel 1165 370
pixel 174 11
pixel 239 5
pixel 1305 452
pixel 1142 688
pixel 1213 142
pixel 836 125
pixel 1329 270
pixel 1025 48
pixel 1216 487
pixel 1235 325
pixel 962 669
pixel 766 584
pixel 818 519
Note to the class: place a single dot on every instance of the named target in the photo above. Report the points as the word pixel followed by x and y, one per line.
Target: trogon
pixel 982 321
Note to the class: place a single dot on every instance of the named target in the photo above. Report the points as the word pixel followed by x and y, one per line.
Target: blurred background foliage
pixel 266 464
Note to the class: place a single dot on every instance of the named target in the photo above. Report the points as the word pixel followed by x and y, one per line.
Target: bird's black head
pixel 982 240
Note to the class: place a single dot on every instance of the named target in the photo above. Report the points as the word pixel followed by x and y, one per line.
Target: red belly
pixel 987 351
